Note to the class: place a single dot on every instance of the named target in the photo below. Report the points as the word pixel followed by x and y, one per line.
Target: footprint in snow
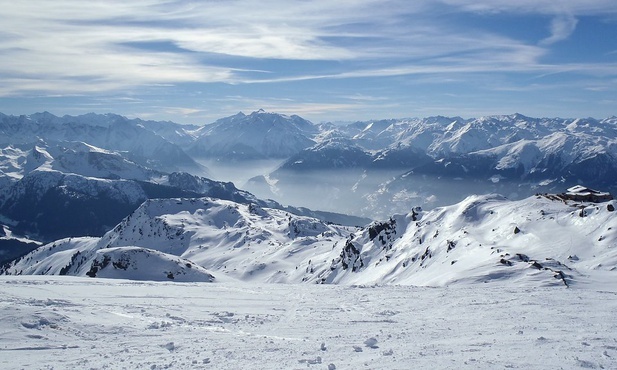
pixel 371 343
pixel 170 346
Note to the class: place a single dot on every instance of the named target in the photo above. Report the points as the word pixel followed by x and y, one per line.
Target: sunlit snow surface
pixel 67 322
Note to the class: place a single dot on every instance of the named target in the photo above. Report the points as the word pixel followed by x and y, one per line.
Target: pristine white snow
pixel 80 323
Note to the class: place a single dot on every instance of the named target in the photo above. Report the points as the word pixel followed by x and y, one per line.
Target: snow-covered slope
pixel 371 169
pixel 82 257
pixel 538 241
pixel 255 136
pixel 246 242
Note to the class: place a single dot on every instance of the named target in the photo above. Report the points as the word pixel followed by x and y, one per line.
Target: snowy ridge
pixel 38 182
pixel 485 239
pixel 227 238
pixel 436 161
pixel 515 140
pixel 13 246
pixel 73 189
pixel 71 157
pixel 538 241
pixel 109 131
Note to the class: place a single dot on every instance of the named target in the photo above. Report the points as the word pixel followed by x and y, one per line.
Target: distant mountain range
pixel 75 176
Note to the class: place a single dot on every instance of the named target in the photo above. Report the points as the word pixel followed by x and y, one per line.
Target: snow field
pixel 67 322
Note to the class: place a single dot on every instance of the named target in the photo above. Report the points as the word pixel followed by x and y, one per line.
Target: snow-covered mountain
pixel 79 158
pixel 74 176
pixel 47 204
pixel 331 154
pixel 242 241
pixel 107 131
pixel 76 189
pixel 255 136
pixel 538 241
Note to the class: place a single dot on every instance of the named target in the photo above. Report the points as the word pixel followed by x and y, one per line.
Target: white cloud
pixel 75 46
pixel 562 26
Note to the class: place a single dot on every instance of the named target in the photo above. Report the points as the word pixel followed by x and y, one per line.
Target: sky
pixel 197 61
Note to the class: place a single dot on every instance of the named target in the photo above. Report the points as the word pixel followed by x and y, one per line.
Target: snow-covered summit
pixel 255 136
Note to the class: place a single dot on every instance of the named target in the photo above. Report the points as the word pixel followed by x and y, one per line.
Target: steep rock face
pixel 255 136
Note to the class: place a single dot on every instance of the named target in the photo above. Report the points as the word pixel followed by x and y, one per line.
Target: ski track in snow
pixel 65 322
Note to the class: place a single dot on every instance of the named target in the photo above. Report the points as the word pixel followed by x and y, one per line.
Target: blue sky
pixel 196 61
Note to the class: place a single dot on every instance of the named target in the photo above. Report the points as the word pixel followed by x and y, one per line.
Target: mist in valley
pixel 376 194
pixel 238 172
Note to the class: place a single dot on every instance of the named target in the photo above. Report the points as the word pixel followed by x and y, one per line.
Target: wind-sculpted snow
pixel 80 323
pixel 538 241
